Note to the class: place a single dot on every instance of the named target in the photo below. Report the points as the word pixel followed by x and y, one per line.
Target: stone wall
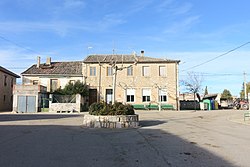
pixel 117 121
pixel 66 107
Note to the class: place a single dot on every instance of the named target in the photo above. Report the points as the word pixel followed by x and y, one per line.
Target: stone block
pixel 118 125
pixel 119 121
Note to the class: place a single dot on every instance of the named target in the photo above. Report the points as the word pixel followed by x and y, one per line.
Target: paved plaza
pixel 166 138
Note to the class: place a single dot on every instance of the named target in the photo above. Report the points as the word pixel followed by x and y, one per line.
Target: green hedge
pixel 108 109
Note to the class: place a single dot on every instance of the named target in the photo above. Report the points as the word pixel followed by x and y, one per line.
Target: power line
pixel 216 57
pixel 217 74
pixel 16 68
pixel 23 47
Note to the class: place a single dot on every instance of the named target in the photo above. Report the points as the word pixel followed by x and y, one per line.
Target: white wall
pixel 45 81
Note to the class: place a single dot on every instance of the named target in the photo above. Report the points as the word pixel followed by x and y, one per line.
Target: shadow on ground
pixel 16 117
pixel 146 123
pixel 63 146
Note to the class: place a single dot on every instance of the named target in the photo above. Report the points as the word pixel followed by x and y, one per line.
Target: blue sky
pixel 191 31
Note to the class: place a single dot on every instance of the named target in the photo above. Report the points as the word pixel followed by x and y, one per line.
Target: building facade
pixel 131 79
pixel 53 75
pixel 7 81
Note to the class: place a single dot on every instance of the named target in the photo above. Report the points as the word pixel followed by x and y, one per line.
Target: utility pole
pixel 245 86
pixel 114 67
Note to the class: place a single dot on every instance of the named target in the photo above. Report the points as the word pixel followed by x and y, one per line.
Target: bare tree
pixel 193 84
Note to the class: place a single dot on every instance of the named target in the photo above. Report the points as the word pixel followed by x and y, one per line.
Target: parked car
pixel 241 104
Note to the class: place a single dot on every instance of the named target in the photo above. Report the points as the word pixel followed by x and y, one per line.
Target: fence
pixel 189 105
pixel 63 98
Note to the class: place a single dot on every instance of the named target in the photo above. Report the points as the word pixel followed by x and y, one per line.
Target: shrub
pixel 73 88
pixel 95 108
pixel 108 109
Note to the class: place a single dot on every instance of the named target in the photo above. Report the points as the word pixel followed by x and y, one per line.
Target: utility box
pixel 207 102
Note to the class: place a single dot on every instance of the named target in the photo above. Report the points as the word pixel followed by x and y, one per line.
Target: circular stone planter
pixel 111 121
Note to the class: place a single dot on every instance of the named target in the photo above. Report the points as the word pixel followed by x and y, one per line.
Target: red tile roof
pixel 56 68
pixel 126 59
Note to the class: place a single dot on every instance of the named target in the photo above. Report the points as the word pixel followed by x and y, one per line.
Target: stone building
pixel 40 80
pixel 7 80
pixel 134 79
pixel 137 80
pixel 53 75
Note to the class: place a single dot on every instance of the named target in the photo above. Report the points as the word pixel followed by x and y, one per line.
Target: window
pixel 53 85
pixel 145 71
pixel 109 95
pixel 109 71
pixel 146 93
pixel 92 71
pixel 4 97
pixel 12 82
pixel 162 95
pixel 5 80
pixel 130 95
pixel 162 71
pixel 130 71
pixel 35 82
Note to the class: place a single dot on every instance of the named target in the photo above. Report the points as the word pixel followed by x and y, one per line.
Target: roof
pixel 209 96
pixel 9 72
pixel 56 68
pixel 126 59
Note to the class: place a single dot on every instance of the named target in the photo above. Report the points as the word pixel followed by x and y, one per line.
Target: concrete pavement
pixel 166 138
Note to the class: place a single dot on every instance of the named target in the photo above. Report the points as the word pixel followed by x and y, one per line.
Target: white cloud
pixel 110 20
pixel 74 4
pixel 16 59
pixel 173 8
pixel 138 6
pixel 182 9
pixel 164 5
pixel 59 27
pixel 182 25
pixel 68 8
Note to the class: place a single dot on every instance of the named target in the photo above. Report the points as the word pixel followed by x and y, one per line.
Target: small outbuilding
pixel 29 98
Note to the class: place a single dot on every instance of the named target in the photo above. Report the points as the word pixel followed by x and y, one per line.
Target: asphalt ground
pixel 166 138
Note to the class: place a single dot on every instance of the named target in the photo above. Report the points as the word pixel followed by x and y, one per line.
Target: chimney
pixel 142 53
pixel 48 61
pixel 38 61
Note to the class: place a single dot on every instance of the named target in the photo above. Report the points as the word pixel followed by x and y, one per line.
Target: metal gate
pixel 26 104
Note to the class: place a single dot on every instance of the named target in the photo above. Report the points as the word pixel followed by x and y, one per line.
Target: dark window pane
pixel 132 98
pixel 128 98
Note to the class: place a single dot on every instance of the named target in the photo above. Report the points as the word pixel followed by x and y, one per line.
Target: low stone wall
pixel 117 121
pixel 65 107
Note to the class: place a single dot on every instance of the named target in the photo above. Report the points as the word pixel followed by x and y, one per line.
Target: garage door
pixel 26 104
